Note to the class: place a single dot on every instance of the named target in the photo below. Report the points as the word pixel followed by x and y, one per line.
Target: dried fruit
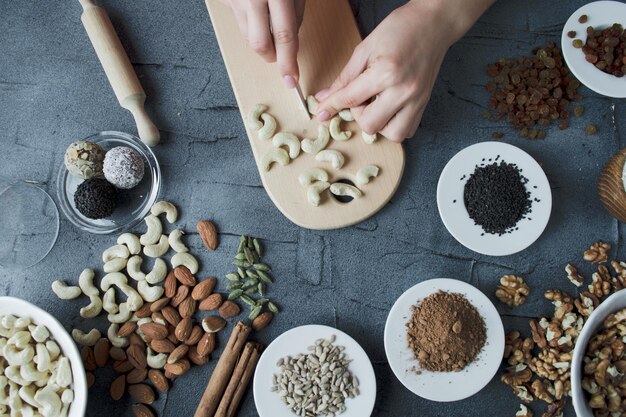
pixel 208 234
pixel 229 309
pixel 591 129
pixel 571 34
pixel 577 43
pixel 118 386
pixel 142 393
pixel 583 18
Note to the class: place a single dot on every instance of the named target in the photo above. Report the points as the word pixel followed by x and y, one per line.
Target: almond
pixel 142 393
pixel 170 285
pixel 141 410
pixel 194 337
pixel 162 346
pixel 184 276
pixel 171 334
pixel 137 356
pixel 203 289
pixel 208 234
pixel 117 387
pixel 127 328
pixel 212 302
pixel 158 380
pixel 262 321
pixel 101 352
pixel 181 294
pixel 178 354
pixel 178 368
pixel 197 359
pixel 117 354
pixel 136 376
pixel 213 324
pixel 144 311
pixel 229 309
pixel 89 361
pixel 158 317
pixel 187 307
pixel 154 331
pixel 121 367
pixel 171 315
pixel 206 345
pixel 183 330
pixel 169 375
pixel 159 304
pixel 91 379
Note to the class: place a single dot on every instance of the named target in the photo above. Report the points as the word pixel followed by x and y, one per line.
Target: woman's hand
pixel 389 78
pixel 271 29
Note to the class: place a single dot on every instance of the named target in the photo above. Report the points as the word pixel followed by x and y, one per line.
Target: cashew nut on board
pixel 278 155
pixel 314 146
pixel 314 190
pixel 364 174
pixel 287 139
pixel 185 259
pixel 153 232
pixel 311 104
pixel 131 241
pixel 335 158
pixel 175 241
pixel 254 115
pixel 311 175
pixel 336 132
pixel 346 115
pixel 340 188
pixel 269 127
pixel 369 139
pixel 64 291
pixel 160 207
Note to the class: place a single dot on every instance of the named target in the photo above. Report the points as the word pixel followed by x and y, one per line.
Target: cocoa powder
pixel 445 332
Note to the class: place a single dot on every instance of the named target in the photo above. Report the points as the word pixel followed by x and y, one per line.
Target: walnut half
pixel 597 253
pixel 512 290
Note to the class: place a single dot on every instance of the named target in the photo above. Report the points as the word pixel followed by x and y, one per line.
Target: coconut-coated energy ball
pixel 84 159
pixel 95 198
pixel 123 167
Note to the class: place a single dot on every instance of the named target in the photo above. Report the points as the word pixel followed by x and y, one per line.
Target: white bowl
pixel 443 386
pixel 612 304
pixel 294 341
pixel 455 217
pixel 600 14
pixel 21 308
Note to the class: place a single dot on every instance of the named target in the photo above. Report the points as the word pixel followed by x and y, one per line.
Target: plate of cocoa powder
pixel 444 339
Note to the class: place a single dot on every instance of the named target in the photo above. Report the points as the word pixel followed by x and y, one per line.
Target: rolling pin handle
pixel 87 4
pixel 147 131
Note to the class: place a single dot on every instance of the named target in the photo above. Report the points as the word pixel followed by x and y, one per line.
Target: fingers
pixel 285 39
pixel 355 66
pixel 403 124
pixel 355 93
pixel 259 35
pixel 379 112
pixel 300 11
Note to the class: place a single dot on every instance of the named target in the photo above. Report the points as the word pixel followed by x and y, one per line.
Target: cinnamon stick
pixel 243 383
pixel 223 370
pixel 235 379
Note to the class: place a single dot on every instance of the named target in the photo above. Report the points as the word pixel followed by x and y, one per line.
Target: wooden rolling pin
pixel 118 69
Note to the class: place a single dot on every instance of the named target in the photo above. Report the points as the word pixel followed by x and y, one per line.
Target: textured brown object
pixel 171 315
pixel 142 393
pixel 597 253
pixel 611 186
pixel 179 368
pixel 197 359
pixel 137 356
pixel 162 346
pixel 187 307
pixel 142 410
pixel 431 337
pixel 154 331
pixel 206 344
pixel 213 324
pixel 212 302
pixel 194 337
pixel 208 234
pixel 262 321
pixel 181 294
pixel 183 330
pixel 101 352
pixel 117 354
pixel 203 289
pixel 91 379
pixel 136 376
pixel 121 367
pixel 144 311
pixel 606 49
pixel 118 386
pixel 158 305
pixel 87 355
pixel 229 309
pixel 169 285
pixel 184 276
pixel 512 290
pixel 158 380
pixel 178 353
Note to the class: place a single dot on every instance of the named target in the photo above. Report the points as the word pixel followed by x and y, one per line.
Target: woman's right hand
pixel 271 29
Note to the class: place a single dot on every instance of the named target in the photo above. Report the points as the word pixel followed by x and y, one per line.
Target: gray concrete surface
pixel 53 91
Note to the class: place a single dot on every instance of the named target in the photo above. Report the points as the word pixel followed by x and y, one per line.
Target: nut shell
pixel 611 186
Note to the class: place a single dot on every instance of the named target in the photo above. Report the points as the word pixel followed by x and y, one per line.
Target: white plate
pixel 443 386
pixel 612 304
pixel 454 214
pixel 294 341
pixel 601 14
pixel 21 308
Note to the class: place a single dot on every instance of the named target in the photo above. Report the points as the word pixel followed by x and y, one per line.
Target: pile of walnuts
pixel 540 365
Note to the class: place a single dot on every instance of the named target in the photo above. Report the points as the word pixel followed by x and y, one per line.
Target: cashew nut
pixel 185 259
pixel 254 115
pixel 364 174
pixel 115 251
pixel 340 188
pixel 64 291
pixel 311 175
pixel 148 292
pixel 108 301
pixel 92 309
pixel 346 115
pixel 115 265
pixel 122 316
pixel 369 139
pixel 85 282
pixel 314 190
pixel 133 267
pixel 314 146
pixel 49 400
pixel 114 278
pixel 64 372
pixel 27 393
pixel 53 348
pixel 134 300
pixel 175 242
pixel 20 339
pixel 336 132
pixel 335 158
pixel 13 373
pixel 158 273
pixel 160 207
pixel 158 249
pixel 117 341
pixel 153 232
pixel 18 357
pixel 274 155
pixel 39 332
pixel 131 241
pixel 157 361
pixel 29 373
pixel 287 139
pixel 141 322
pixel 311 104
pixel 86 339
pixel 269 127
pixel 42 358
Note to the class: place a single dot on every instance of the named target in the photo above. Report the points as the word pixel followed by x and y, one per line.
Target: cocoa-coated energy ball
pixel 123 167
pixel 95 198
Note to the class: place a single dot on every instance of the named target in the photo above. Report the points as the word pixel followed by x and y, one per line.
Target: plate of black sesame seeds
pixel 594 43
pixel 494 198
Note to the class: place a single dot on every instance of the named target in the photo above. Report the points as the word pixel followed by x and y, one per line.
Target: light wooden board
pixel 327 39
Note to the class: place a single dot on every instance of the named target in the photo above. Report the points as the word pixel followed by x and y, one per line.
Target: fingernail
pixel 321 95
pixel 290 82
pixel 323 116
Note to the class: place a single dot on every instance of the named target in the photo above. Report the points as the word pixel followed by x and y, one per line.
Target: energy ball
pixel 84 159
pixel 95 198
pixel 123 167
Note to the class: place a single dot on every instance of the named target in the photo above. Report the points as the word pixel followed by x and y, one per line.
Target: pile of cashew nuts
pixel 122 265
pixel 35 377
pixel 315 179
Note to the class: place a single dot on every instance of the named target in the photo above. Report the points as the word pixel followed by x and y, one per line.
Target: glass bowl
pixel 132 205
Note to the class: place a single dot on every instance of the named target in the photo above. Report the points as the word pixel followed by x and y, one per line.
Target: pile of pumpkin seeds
pixel 249 282
pixel 317 383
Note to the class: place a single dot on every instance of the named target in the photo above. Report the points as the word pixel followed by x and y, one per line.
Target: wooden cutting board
pixel 327 39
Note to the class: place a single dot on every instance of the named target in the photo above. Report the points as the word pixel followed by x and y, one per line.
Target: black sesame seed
pixel 95 198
